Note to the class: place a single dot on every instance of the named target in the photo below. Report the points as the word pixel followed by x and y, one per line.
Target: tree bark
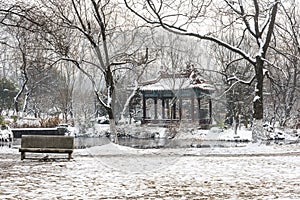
pixel 258 132
pixel 258 99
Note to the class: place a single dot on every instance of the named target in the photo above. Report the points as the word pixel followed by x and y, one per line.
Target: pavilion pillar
pixel 155 108
pixel 180 109
pixel 163 108
pixel 193 109
pixel 144 109
pixel 174 111
pixel 210 110
pixel 168 108
pixel 199 109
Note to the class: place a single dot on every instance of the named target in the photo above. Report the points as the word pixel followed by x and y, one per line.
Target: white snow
pixel 261 45
pixel 110 171
pixel 5 133
pixel 115 172
pixel 174 84
pixel 256 98
pixel 217 134
pixel 109 97
pixel 246 149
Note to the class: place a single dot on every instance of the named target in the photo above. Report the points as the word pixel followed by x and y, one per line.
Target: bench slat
pixel 42 141
pixel 43 150
pixel 46 144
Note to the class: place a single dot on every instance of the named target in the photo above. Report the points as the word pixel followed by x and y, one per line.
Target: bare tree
pixel 65 89
pixel 284 80
pixel 253 18
pixel 96 36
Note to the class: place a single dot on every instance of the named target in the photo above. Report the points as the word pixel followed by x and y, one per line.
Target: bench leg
pixel 22 155
pixel 70 156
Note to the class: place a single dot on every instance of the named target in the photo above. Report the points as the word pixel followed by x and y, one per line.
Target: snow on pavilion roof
pixel 167 82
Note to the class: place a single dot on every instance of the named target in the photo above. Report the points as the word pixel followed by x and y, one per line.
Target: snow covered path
pixel 152 174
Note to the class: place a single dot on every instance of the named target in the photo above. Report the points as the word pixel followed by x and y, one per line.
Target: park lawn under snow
pixel 217 134
pixel 111 171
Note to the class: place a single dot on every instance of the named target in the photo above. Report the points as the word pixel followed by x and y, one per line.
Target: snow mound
pixel 114 149
pixel 216 134
pixel 242 149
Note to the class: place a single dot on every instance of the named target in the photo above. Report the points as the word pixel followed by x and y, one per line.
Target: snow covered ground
pixel 111 171
pixel 186 131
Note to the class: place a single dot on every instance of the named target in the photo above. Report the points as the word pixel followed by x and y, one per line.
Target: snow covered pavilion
pixel 180 97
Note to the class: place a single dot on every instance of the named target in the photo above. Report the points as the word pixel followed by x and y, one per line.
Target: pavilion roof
pixel 175 82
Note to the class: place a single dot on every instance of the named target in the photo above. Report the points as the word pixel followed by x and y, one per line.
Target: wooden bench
pixel 47 144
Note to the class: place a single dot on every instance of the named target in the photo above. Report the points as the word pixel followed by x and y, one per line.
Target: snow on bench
pixel 46 144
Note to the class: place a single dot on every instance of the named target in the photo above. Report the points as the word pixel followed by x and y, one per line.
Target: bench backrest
pixel 42 141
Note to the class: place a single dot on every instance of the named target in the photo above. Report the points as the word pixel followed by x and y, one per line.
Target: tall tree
pixel 98 37
pixel 255 19
pixel 65 89
pixel 284 84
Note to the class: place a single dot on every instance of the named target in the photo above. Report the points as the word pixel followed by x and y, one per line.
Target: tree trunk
pixel 127 103
pixel 112 126
pixel 258 113
pixel 16 99
pixel 235 125
pixel 25 104
pixel 258 100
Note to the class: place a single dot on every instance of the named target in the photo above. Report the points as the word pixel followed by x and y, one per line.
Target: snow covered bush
pixel 6 135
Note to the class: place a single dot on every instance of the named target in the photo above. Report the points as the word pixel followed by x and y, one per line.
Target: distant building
pixel 173 98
